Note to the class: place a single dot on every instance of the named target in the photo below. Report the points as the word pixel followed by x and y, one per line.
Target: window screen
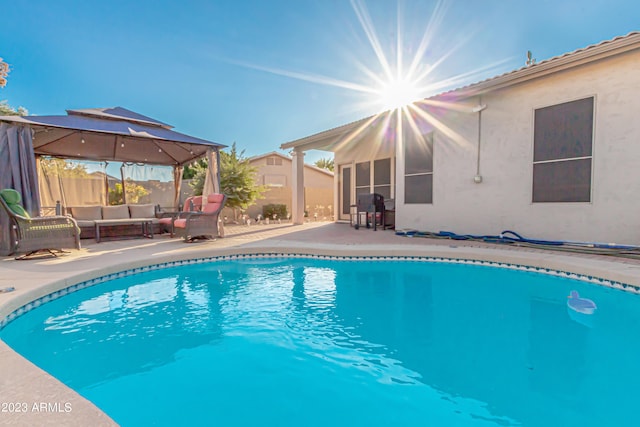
pixel 562 152
pixel 363 176
pixel 568 181
pixel 382 177
pixel 418 169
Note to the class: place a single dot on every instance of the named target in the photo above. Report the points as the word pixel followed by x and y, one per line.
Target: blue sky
pixel 256 72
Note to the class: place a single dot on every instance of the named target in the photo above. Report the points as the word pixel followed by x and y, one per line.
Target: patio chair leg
pixel 41 253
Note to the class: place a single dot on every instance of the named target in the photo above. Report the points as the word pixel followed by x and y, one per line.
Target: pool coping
pixel 605 272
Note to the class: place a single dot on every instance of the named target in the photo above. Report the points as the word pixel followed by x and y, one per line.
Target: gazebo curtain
pixel 212 178
pixel 18 165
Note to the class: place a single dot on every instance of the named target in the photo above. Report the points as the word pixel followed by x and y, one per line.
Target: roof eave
pixel 326 140
pixel 554 65
pixel 323 140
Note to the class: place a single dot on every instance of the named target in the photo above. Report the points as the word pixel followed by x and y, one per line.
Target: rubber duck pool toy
pixel 580 305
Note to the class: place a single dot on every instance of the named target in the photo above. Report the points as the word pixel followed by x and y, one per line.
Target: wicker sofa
pixel 115 221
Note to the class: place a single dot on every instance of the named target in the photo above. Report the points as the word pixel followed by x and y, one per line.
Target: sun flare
pixel 398 93
pixel 398 78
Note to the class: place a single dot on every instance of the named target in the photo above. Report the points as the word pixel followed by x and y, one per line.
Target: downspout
pixel 478 109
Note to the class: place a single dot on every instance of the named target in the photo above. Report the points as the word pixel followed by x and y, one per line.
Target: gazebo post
pixel 177 184
pixel 124 193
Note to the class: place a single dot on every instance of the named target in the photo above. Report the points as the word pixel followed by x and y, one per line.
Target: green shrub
pixel 279 210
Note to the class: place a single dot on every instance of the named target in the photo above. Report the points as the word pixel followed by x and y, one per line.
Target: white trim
pixel 562 160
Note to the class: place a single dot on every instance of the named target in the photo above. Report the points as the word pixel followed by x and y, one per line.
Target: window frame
pixel 560 160
pixel 387 185
pixel 362 189
pixel 371 186
pixel 429 136
pixel 274 161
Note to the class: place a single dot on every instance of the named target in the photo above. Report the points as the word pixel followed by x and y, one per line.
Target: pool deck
pixel 49 402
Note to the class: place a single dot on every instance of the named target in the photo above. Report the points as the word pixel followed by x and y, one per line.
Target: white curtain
pixel 150 184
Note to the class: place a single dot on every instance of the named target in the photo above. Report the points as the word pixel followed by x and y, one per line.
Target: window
pixel 275 180
pixel 562 152
pixel 274 161
pixel 363 178
pixel 418 169
pixel 382 177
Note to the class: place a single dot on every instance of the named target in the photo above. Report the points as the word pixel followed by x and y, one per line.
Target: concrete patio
pixel 21 381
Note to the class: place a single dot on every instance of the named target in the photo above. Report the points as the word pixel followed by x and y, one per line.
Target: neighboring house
pixel 550 150
pixel 274 172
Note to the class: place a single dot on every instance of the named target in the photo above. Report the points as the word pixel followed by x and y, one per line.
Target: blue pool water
pixel 304 342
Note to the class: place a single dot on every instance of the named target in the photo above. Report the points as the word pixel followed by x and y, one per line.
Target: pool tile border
pixel 88 283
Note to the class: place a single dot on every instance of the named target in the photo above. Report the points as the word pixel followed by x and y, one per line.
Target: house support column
pixel 297 193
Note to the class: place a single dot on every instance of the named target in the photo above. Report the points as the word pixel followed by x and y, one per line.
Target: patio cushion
pixel 85 223
pixel 180 223
pixel 215 198
pixel 197 203
pixel 211 207
pixel 142 211
pixel 12 199
pixel 213 202
pixel 115 212
pixel 86 213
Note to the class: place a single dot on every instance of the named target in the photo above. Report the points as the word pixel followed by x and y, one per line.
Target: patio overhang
pixel 329 140
pixel 332 140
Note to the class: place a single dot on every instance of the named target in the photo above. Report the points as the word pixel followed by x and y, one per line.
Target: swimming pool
pixel 341 342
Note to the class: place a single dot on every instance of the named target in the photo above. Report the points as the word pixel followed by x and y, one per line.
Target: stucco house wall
pixel 487 129
pixel 504 199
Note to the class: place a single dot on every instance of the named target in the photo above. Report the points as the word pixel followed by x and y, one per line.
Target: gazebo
pixel 99 134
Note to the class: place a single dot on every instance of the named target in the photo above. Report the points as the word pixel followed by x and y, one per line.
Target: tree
pixel 8 110
pixel 197 174
pixel 134 192
pixel 325 164
pixel 191 170
pixel 5 108
pixel 52 166
pixel 237 179
pixel 4 70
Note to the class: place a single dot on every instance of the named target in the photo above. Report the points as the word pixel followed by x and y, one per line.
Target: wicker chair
pixel 30 236
pixel 191 204
pixel 197 225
